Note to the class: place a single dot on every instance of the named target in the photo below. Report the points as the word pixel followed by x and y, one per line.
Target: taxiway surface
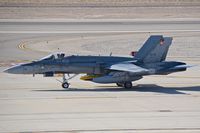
pixel 156 103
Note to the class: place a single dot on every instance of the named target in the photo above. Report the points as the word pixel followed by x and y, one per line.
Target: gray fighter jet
pixel 149 60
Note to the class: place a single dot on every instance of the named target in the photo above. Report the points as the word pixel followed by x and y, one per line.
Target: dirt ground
pixel 99 9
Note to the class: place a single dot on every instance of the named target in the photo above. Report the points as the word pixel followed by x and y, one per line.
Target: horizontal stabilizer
pixel 182 66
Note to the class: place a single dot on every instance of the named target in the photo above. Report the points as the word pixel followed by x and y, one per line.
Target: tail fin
pixel 154 49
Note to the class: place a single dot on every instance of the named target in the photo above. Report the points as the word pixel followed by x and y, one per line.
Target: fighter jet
pixel 149 60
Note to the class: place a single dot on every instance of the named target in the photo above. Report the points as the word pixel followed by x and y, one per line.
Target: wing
pixel 128 67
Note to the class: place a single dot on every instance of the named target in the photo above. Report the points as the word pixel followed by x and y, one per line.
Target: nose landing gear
pixel 65 83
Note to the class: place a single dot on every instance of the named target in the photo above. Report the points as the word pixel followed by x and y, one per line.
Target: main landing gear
pixel 127 85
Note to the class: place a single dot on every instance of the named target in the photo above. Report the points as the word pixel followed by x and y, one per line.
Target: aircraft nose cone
pixel 14 70
pixel 6 71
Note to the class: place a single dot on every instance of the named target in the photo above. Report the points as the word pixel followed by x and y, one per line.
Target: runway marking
pixel 102 20
pixel 22 46
pixel 100 31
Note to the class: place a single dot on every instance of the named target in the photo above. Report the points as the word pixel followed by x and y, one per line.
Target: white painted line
pixel 99 20
pixel 141 31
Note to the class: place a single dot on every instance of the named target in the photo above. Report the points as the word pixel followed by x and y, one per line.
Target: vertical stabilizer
pixel 155 49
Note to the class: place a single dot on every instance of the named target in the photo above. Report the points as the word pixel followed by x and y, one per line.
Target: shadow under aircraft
pixel 138 88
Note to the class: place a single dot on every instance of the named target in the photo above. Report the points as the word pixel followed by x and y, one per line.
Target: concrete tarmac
pixel 102 26
pixel 155 104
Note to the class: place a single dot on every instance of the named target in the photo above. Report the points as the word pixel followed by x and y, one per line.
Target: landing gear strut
pixel 119 84
pixel 65 83
pixel 65 80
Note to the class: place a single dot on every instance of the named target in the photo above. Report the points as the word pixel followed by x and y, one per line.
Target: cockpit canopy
pixel 54 56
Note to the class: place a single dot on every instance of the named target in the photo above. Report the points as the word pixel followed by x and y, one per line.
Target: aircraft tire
pixel 65 85
pixel 128 85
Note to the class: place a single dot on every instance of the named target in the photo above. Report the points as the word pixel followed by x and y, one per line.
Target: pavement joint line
pixel 114 130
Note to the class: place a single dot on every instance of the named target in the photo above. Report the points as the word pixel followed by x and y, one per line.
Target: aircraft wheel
pixel 65 85
pixel 119 84
pixel 128 85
